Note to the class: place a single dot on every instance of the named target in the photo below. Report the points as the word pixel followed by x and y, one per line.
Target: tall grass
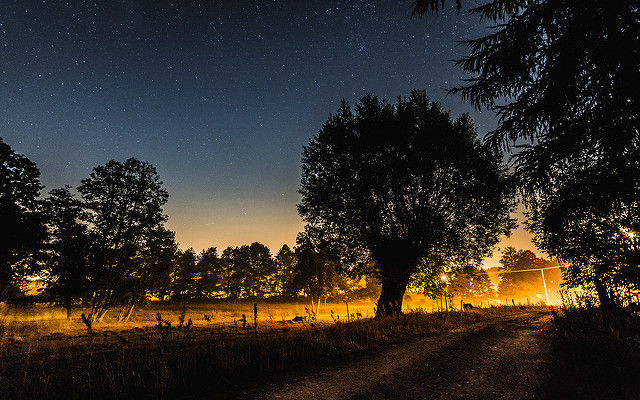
pixel 209 360
pixel 588 360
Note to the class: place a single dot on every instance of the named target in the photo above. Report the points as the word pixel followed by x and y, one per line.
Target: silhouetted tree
pixel 262 271
pixel 561 75
pixel 186 276
pixel 21 223
pixel 402 183
pixel 590 220
pixel 514 283
pixel 472 284
pixel 159 257
pixel 66 270
pixel 149 273
pixel 285 264
pixel 210 273
pixel 316 269
pixel 124 202
pixel 231 278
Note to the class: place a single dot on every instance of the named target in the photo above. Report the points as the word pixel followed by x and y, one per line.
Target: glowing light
pixel 630 234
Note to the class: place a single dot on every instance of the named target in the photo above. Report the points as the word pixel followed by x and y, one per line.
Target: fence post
pixel 255 319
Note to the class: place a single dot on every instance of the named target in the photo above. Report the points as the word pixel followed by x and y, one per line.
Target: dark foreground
pixel 503 357
pixel 496 353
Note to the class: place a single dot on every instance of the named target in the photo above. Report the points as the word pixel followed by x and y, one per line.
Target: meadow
pixel 172 350
pixel 210 351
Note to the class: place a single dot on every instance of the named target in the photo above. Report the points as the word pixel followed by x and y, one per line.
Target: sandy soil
pixel 499 358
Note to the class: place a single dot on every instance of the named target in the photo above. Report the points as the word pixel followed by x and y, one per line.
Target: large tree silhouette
pixel 68 249
pixel 22 225
pixel 124 202
pixel 561 75
pixel 402 183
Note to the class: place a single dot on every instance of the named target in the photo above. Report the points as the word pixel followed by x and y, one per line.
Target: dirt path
pixel 499 358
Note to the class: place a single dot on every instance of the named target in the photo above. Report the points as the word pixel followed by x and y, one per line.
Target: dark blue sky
pixel 219 95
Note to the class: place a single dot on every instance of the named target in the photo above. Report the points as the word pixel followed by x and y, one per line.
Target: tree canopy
pixel 22 223
pixel 560 75
pixel 401 183
pixel 124 202
pixel 521 276
pixel 68 248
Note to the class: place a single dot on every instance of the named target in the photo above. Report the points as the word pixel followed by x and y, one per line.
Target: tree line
pixel 109 248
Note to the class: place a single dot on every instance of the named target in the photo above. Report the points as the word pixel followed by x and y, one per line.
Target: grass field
pixel 44 355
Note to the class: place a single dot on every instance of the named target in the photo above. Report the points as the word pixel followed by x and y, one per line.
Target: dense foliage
pixel 560 75
pixel 22 226
pixel 402 183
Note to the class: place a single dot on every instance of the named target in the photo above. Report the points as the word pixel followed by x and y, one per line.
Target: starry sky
pixel 220 96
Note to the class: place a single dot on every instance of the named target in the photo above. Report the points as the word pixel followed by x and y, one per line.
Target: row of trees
pixel 251 271
pixel 519 278
pixel 110 248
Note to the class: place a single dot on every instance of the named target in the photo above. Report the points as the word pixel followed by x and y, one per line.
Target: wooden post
pixel 255 319
pixel 348 315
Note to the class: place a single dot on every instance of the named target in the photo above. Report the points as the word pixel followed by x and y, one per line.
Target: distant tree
pixel 210 273
pixel 262 271
pixel 150 272
pixel 472 285
pixel 368 287
pixel 316 270
pixel 561 74
pixel 22 224
pixel 285 265
pixel 159 258
pixel 231 276
pixel 124 202
pixel 516 278
pixel 186 276
pixel 521 283
pixel 402 183
pixel 68 249
pixel 428 278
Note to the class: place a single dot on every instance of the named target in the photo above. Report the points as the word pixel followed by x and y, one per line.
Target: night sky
pixel 220 96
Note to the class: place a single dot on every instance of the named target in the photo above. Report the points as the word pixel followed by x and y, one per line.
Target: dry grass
pixel 42 355
pixel 588 360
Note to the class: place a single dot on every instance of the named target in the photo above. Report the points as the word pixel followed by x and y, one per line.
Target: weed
pixel 88 323
pixel 335 317
pixel 163 326
pixel 311 313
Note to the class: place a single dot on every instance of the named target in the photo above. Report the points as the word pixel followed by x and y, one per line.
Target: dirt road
pixel 499 358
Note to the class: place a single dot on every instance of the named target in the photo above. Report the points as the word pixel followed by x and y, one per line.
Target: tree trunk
pixel 101 314
pixel 125 312
pixel 394 284
pixel 608 308
pixel 67 304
